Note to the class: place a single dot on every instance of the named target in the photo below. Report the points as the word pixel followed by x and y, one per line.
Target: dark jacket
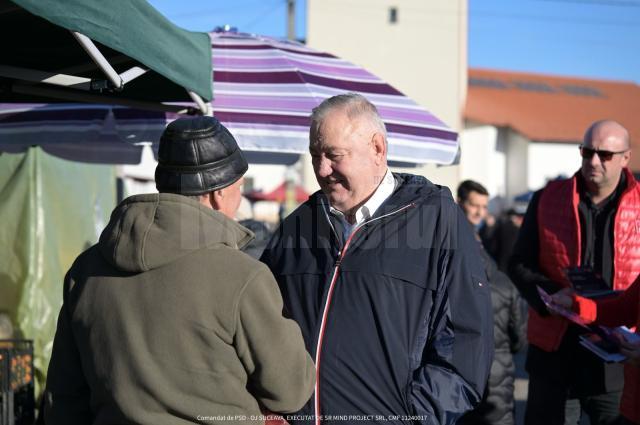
pixel 165 322
pixel 401 312
pixel 500 239
pixel 509 333
pixel 262 235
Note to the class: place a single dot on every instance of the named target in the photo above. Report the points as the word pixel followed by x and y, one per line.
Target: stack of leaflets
pixel 587 283
pixel 601 340
pixel 607 347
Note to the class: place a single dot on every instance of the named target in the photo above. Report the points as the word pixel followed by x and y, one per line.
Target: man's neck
pixel 600 194
pixel 350 214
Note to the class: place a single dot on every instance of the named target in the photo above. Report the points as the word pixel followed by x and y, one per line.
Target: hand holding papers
pixel 607 343
pixel 602 341
pixel 561 310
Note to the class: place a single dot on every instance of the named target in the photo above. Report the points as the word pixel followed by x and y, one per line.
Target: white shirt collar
pixel 368 209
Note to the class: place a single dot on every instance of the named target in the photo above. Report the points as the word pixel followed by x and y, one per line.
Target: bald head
pixel 608 129
pixel 605 154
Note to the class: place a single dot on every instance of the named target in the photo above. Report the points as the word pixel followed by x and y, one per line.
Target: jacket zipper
pixel 325 312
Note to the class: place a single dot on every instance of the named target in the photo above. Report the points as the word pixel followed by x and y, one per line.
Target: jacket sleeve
pixel 66 394
pixel 517 320
pixel 523 265
pixel 458 350
pixel 618 311
pixel 281 372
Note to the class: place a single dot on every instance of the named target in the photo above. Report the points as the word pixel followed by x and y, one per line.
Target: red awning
pixel 279 194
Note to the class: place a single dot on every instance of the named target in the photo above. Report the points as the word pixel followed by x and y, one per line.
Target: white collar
pixel 368 209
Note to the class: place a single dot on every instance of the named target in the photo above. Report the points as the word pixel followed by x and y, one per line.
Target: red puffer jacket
pixel 559 234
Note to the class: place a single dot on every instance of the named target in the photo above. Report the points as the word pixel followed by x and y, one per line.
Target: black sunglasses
pixel 587 153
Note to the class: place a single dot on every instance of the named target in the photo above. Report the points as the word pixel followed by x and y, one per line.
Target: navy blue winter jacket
pixel 397 317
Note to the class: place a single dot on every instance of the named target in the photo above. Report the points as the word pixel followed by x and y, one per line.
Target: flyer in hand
pixel 606 350
pixel 602 341
pixel 562 311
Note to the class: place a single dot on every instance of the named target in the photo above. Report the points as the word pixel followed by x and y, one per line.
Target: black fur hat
pixel 196 156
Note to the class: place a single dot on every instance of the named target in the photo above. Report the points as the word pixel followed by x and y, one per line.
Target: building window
pixel 582 90
pixel 487 82
pixel 534 86
pixel 393 15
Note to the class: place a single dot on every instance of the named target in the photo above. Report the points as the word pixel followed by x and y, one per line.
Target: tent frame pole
pixel 99 59
pixel 204 107
pixel 75 96
pixel 36 76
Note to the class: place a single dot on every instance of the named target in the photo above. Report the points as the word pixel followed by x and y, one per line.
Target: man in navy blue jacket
pixel 384 277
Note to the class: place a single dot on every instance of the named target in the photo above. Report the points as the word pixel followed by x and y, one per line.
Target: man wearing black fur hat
pixel 164 321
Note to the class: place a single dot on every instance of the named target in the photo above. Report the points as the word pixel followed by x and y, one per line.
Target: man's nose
pixel 323 167
pixel 595 160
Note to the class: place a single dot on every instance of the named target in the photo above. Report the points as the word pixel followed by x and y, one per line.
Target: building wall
pixel 424 54
pixel 483 158
pixel 550 160
pixel 517 149
pixel 509 164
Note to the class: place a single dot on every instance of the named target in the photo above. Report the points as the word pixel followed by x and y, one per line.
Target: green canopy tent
pixel 109 52
pixel 119 51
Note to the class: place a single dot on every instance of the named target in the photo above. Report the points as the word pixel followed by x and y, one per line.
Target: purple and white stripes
pixel 263 85
pixel 264 91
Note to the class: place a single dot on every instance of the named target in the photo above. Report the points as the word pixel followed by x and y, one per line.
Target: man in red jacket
pixel 588 221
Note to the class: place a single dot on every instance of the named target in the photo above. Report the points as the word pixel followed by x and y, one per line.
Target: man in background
pixel 586 222
pixel 509 322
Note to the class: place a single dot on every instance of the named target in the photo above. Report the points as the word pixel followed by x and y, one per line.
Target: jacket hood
pixel 148 231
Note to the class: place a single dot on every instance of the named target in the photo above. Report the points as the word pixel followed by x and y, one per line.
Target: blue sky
pixel 584 38
pixel 587 38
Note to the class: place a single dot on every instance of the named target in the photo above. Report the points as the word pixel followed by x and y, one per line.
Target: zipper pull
pixel 338 260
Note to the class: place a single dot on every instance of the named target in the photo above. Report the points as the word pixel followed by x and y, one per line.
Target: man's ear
pixel 217 198
pixel 379 146
pixel 626 157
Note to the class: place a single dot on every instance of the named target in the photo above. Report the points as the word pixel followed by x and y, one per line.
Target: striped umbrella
pixel 264 91
pixel 77 132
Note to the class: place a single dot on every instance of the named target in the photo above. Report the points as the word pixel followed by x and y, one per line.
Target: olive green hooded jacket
pixel 165 321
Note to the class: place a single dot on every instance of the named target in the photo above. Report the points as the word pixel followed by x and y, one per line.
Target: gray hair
pixel 196 197
pixel 354 104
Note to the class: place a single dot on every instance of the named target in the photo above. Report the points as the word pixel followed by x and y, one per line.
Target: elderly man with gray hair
pixel 164 320
pixel 383 275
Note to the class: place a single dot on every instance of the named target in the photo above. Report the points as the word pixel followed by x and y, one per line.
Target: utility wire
pixel 615 3
pixel 548 18
pixel 263 14
pixel 407 14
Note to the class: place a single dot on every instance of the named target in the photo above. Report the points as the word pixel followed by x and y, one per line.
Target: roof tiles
pixel 547 108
